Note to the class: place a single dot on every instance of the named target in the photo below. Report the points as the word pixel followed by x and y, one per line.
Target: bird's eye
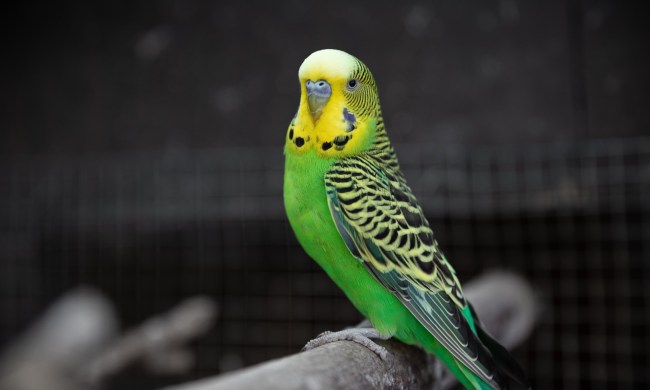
pixel 352 84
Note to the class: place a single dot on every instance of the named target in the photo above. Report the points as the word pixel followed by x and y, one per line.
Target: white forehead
pixel 327 63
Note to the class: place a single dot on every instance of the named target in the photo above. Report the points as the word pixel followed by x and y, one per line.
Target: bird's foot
pixel 358 335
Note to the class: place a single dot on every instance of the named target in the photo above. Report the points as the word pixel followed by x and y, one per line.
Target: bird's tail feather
pixel 472 379
pixel 512 375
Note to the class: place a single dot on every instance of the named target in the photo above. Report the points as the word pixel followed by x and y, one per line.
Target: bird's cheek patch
pixel 339 142
pixel 349 119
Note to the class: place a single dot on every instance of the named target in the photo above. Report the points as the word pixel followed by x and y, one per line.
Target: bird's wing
pixel 382 225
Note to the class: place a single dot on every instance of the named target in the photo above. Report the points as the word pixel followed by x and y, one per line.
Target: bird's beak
pixel 318 93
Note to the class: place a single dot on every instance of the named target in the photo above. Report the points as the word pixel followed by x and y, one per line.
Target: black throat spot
pixel 341 141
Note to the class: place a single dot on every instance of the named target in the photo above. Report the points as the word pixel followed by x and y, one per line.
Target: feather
pixel 413 269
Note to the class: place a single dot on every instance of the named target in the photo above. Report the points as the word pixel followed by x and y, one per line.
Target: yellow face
pixel 338 108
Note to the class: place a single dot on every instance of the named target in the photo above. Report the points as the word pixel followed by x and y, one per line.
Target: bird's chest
pixel 308 213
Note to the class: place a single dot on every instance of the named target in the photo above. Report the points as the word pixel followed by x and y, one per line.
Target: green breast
pixel 309 215
pixel 306 205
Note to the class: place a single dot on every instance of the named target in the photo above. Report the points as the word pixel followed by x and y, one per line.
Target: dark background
pixel 141 152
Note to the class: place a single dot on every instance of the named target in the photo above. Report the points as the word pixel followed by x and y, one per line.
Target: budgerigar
pixel 354 214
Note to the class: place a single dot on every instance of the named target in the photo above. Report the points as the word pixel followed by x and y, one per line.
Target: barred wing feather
pixel 382 225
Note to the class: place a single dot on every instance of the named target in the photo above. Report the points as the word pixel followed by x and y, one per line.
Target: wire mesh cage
pixel 151 228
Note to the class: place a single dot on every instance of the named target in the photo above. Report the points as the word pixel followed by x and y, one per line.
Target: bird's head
pixel 339 106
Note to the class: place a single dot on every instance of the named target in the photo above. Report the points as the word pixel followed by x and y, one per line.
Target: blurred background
pixel 141 153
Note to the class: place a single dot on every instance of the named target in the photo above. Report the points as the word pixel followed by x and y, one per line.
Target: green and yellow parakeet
pixel 353 212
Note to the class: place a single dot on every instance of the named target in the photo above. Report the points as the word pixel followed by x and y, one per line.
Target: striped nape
pixel 363 101
pixel 382 149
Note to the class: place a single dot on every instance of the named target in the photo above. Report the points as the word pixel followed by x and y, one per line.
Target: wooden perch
pixel 505 303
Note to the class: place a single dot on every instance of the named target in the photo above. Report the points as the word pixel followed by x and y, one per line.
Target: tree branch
pixel 75 344
pixel 505 303
pixel 160 342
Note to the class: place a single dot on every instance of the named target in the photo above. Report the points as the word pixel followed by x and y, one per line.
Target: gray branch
pixel 505 303
pixel 76 346
pixel 160 343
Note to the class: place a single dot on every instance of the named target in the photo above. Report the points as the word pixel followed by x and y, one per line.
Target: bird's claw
pixel 360 336
pixel 321 335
